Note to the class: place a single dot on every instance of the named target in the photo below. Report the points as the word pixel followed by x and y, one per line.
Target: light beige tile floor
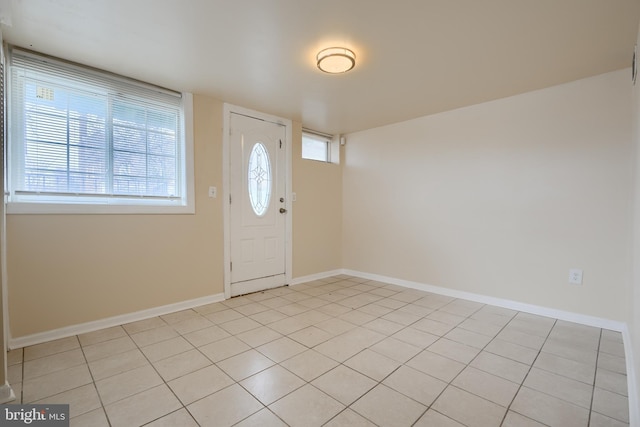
pixel 340 351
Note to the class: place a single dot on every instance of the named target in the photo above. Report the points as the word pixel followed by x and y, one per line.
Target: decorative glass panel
pixel 259 179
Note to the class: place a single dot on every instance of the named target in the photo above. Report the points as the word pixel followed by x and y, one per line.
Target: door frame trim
pixel 226 184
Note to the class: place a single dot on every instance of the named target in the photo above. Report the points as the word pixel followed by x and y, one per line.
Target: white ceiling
pixel 414 57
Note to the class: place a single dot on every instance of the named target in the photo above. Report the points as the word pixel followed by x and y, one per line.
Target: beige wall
pixel 317 214
pixel 502 198
pixel 69 269
pixel 634 295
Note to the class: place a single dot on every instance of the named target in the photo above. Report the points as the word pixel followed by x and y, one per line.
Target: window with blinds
pixel 85 137
pixel 315 146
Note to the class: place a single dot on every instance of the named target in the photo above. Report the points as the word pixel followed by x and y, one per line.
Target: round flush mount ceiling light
pixel 336 60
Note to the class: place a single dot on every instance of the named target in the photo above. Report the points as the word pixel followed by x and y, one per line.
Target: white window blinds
pixel 83 136
pixel 315 146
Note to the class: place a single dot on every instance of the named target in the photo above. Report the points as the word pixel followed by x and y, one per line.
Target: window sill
pixel 17 208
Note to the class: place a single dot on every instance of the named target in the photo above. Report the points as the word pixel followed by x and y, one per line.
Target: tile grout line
pixel 450 384
pixel 166 383
pixel 339 364
pixel 311 307
pixel 378 383
pixel 129 335
pixel 426 348
pixel 342 363
pixel 441 337
pixel 95 385
pixel 595 379
pixel 527 375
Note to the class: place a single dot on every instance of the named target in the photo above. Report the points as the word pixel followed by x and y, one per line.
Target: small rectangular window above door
pixel 316 146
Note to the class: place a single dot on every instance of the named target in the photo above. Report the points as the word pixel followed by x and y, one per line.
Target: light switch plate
pixel 213 192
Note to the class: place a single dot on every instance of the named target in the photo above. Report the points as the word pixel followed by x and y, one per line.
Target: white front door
pixel 257 188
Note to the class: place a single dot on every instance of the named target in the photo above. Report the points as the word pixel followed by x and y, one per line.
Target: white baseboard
pixel 634 412
pixel 500 302
pixel 633 392
pixel 83 328
pixel 6 393
pixel 317 276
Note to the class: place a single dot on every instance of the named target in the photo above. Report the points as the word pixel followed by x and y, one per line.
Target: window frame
pixel 316 136
pixel 97 204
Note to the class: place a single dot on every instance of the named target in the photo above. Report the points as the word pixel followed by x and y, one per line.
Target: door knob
pixel 283 210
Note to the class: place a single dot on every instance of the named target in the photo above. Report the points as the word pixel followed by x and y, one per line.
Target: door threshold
pixel 261 284
pixel 260 291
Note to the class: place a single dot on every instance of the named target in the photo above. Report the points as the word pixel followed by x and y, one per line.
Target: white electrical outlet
pixel 213 192
pixel 294 197
pixel 575 276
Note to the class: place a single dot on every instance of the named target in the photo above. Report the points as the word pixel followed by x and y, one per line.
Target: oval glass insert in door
pixel 259 181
